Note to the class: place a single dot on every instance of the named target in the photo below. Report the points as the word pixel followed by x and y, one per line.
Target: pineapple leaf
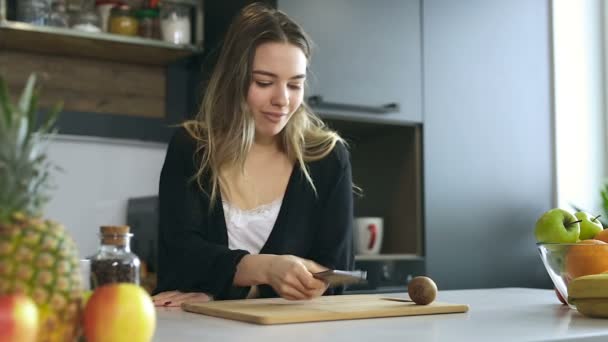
pixel 25 170
pixel 5 104
pixel 21 130
pixel 47 126
pixel 31 115
pixel 26 96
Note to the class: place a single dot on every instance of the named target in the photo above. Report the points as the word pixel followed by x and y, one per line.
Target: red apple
pixel 120 312
pixel 18 318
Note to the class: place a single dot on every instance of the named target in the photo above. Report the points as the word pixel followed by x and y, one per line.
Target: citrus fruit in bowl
pixel 566 261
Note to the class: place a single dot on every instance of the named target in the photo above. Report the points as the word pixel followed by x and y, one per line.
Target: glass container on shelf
pixel 149 23
pixel 114 262
pixel 34 11
pixel 122 21
pixel 58 16
pixel 87 22
pixel 104 8
pixel 175 22
pixel 87 19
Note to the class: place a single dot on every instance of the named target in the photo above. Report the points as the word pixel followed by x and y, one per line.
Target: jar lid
pixel 114 230
pixel 121 9
pixel 114 235
pixel 147 13
pixel 88 17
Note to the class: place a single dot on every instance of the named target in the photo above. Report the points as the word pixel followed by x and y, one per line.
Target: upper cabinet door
pixel 366 63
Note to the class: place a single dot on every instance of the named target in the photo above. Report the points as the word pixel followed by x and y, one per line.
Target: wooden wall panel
pixel 89 85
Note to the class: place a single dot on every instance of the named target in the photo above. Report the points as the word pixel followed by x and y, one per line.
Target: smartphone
pixel 338 278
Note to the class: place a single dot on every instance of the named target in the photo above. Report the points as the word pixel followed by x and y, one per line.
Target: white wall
pixel 579 108
pixel 98 177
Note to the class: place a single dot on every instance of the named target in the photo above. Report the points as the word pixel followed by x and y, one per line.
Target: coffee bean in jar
pixel 114 262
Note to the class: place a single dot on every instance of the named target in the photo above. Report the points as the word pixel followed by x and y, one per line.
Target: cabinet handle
pixel 317 101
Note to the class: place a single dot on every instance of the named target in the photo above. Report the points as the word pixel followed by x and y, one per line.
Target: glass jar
pixel 58 16
pixel 104 8
pixel 149 23
pixel 87 22
pixel 114 262
pixel 87 19
pixel 175 22
pixel 122 21
pixel 33 11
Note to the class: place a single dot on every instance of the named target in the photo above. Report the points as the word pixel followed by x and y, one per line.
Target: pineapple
pixel 37 256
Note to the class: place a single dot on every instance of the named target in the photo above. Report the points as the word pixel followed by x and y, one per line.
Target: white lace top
pixel 249 229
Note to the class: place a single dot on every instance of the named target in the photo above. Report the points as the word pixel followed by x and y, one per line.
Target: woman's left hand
pixel 176 298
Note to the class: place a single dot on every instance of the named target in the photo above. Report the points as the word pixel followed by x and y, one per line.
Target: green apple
pixel 557 226
pixel 590 225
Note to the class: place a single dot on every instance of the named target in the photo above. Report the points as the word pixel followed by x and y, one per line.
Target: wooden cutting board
pixel 327 308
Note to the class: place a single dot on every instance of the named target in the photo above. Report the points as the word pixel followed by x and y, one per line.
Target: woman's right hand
pixel 291 277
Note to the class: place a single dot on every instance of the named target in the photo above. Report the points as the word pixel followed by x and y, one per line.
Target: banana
pixel 590 295
pixel 592 307
pixel 589 286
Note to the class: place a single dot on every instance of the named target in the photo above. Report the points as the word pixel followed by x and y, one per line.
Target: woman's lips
pixel 274 117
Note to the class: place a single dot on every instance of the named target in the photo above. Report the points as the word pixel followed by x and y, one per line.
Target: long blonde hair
pixel 224 127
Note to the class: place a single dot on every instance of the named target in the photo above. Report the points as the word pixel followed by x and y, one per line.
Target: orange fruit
pixel 587 257
pixel 603 235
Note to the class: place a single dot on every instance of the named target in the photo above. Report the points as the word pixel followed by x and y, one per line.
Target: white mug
pixel 368 235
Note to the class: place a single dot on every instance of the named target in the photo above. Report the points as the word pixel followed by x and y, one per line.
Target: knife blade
pixel 337 277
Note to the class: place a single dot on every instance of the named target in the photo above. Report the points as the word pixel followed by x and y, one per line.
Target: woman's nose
pixel 281 96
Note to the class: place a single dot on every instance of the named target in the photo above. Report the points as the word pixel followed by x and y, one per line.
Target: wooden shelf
pixel 106 46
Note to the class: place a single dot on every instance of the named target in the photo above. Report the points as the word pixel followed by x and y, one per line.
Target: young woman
pixel 255 193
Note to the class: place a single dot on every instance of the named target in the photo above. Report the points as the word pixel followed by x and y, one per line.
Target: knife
pixel 337 277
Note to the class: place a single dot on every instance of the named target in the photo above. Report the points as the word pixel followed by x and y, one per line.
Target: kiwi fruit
pixel 422 290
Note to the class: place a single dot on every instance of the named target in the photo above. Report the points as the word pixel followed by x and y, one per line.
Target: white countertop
pixel 507 314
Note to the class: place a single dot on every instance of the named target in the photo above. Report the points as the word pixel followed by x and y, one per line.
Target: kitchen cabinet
pixel 488 140
pixel 386 164
pixel 366 54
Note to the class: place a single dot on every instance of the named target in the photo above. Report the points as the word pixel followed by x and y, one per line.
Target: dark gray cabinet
pixel 488 147
pixel 367 53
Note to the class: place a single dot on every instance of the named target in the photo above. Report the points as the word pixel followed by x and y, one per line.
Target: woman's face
pixel 277 86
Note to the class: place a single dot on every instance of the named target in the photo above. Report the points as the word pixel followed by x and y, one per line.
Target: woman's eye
pixel 295 86
pixel 263 84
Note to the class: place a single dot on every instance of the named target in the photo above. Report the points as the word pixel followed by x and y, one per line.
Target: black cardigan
pixel 193 241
